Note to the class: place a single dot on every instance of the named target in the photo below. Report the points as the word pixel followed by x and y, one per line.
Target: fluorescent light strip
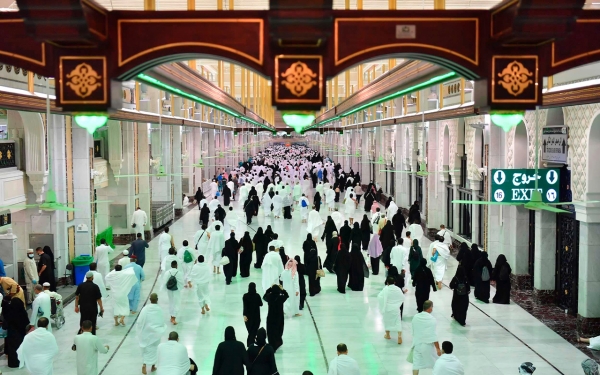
pixel 430 82
pixel 174 90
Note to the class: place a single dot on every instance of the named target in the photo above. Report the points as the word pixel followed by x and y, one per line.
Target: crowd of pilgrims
pixel 281 180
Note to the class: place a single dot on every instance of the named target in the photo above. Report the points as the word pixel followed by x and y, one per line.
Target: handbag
pixel 320 271
pixel 224 261
pixel 133 225
pixel 434 258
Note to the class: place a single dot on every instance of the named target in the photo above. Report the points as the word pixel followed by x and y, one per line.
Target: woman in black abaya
pixel 399 223
pixel 262 356
pixel 333 245
pixel 464 259
pixel 301 280
pixel 357 269
pixel 15 323
pixel 356 236
pixel 317 201
pixel 205 214
pixel 342 268
pixel 422 281
pixel 365 229
pixel 460 297
pixel 329 229
pixel 387 234
pixel 311 262
pixel 226 195
pixel 501 275
pixel 252 304
pixel 275 297
pixel 260 246
pixel 482 286
pixel 246 255
pixel 231 356
pixel 230 250
pixel 270 234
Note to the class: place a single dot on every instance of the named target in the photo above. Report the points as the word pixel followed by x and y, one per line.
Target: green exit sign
pixel 516 185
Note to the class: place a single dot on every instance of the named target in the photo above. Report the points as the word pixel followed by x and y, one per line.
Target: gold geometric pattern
pixel 84 80
pixel 299 78
pixel 515 78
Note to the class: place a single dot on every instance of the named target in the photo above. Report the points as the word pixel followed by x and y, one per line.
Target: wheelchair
pixel 57 313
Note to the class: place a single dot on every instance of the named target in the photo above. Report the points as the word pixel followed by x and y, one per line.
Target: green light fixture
pixel 506 119
pixel 298 120
pixel 91 121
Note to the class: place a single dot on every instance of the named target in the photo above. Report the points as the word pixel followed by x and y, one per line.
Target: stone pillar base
pixel 588 327
pixel 543 297
pixel 521 282
pixel 123 239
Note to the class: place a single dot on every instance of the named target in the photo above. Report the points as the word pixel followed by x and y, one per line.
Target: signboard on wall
pixel 554 144
pixel 516 185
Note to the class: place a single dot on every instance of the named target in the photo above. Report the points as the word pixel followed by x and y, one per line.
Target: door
pixel 567 262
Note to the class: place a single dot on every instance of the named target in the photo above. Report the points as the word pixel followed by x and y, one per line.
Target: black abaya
pixel 252 304
pixel 460 304
pixel 260 246
pixel 422 281
pixel 226 195
pixel 465 259
pixel 205 214
pixel 501 275
pixel 15 323
pixel 365 229
pixel 346 235
pixel 246 255
pixel 231 251
pixel 332 250
pixel 342 269
pixel 301 282
pixel 357 236
pixel 317 201
pixel 482 288
pixel 311 262
pixel 357 273
pixel 275 297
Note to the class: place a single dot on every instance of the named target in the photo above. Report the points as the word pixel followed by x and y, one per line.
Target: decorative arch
pixel 473 137
pixel 593 172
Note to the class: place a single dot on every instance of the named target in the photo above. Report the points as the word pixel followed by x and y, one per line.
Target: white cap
pixel 125 252
pixel 29 251
pixel 46 284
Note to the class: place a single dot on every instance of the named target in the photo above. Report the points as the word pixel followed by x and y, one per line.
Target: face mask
pixel 30 256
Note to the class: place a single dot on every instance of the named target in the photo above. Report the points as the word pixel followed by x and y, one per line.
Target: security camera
pixel 478 125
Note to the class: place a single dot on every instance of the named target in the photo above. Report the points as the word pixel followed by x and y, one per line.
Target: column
pixel 177 164
pixel 589 278
pixel 211 152
pixel 545 257
pixel 82 146
pixel 143 167
pixel 475 215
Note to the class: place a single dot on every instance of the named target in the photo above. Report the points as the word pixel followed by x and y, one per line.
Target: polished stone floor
pixel 495 341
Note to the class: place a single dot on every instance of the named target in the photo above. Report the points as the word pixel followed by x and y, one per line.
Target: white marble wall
pixel 545 251
pixel 589 278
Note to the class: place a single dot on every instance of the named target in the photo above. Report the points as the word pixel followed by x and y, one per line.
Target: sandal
pixel 144 370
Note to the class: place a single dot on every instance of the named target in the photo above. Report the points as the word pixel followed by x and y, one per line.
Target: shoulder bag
pixel 320 271
pixel 202 235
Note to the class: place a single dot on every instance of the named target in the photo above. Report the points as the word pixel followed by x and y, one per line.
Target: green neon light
pixel 298 121
pixel 506 121
pixel 174 90
pixel 91 121
pixel 422 85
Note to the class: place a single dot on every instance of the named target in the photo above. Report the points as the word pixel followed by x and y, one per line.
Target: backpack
pixel 187 257
pixel 377 220
pixel 504 273
pixel 172 282
pixel 485 274
pixel 304 204
pixel 461 289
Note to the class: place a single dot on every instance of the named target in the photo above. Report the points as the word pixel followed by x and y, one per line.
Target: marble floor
pixel 496 340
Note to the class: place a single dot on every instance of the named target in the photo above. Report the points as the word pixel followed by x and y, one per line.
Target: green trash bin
pixel 81 265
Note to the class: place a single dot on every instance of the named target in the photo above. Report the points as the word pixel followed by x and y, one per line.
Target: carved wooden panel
pixel 567 262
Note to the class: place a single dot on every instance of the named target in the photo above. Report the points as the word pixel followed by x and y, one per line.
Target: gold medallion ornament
pixel 299 78
pixel 83 80
pixel 515 78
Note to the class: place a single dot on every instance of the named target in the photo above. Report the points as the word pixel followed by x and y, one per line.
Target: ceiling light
pixel 298 120
pixel 506 119
pixel 91 121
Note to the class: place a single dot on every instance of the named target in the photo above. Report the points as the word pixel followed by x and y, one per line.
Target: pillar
pixel 588 314
pixel 545 257
pixel 475 215
pixel 82 184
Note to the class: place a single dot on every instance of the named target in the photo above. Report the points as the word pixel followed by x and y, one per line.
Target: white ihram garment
pixel 390 300
pixel 343 365
pixel 424 335
pixel 201 277
pixel 290 284
pixel 88 346
pixel 120 283
pixel 41 301
pixel 37 352
pixel 271 267
pixel 173 359
pixel 314 225
pixel 174 295
pixel 164 244
pixel 448 364
pixel 150 327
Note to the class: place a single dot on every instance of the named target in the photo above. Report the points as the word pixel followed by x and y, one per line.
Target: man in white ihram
pixel 399 259
pixel 150 327
pixel 446 234
pixel 87 347
pixel 38 350
pixel 425 347
pixel 343 364
pixel 165 242
pixel 173 289
pixel 315 223
pixel 448 364
pixel 271 268
pixel 41 304
pixel 173 357
pixel 120 282
pixel 101 258
pixel 139 221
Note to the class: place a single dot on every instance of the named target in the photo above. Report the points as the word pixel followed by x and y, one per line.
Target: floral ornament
pixel 515 78
pixel 83 80
pixel 299 78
